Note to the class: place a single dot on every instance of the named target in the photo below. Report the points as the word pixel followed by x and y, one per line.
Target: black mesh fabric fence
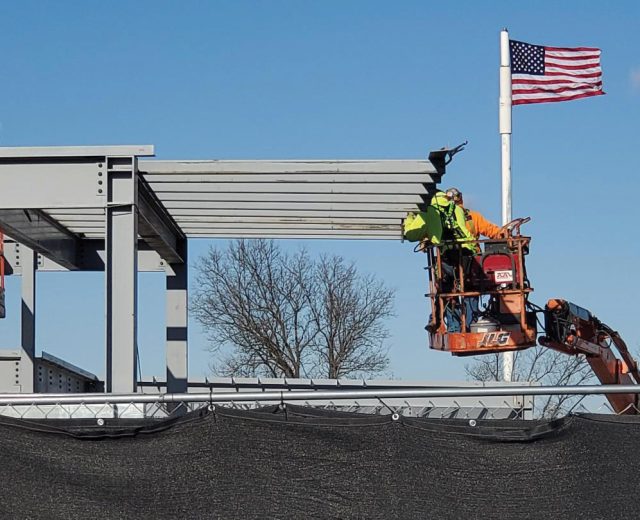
pixel 307 463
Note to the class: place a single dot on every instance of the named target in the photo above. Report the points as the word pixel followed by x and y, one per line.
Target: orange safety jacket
pixel 478 225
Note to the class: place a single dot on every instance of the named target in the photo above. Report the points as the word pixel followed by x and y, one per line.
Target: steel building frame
pixel 104 208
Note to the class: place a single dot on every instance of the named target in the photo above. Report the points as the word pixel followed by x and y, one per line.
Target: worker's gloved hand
pixel 505 233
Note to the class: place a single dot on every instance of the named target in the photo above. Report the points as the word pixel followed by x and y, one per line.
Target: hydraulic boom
pixel 574 330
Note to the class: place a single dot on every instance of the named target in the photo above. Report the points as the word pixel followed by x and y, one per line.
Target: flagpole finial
pixel 505 29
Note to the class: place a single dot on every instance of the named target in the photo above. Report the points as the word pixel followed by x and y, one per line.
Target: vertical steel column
pixel 177 324
pixel 28 259
pixel 121 270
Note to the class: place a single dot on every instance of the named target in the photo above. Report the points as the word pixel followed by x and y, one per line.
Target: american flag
pixel 541 74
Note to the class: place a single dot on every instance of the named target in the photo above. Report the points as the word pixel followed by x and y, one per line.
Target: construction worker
pixel 476 224
pixel 441 224
pixel 453 220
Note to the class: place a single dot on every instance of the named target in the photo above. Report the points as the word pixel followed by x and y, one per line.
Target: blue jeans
pixel 453 316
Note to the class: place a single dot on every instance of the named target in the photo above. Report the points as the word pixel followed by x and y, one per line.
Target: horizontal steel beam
pixel 295 395
pixel 326 235
pixel 78 212
pixel 262 167
pixel 169 189
pixel 61 182
pixel 75 151
pixel 177 208
pixel 41 233
pixel 95 223
pixel 290 178
pixel 91 257
pixel 213 215
pixel 294 198
pixel 294 225
pixel 156 227
pixel 317 220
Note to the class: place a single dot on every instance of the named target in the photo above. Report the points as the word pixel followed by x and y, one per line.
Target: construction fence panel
pixel 301 462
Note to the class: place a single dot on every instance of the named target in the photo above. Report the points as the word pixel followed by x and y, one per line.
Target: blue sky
pixel 355 79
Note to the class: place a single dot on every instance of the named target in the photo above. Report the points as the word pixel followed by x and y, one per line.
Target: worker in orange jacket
pixel 476 223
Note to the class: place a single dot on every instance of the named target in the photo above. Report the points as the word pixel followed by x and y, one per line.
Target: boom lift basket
pixel 479 300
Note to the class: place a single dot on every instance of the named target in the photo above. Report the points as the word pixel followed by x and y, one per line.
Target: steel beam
pixel 41 233
pixel 91 258
pixel 258 199
pixel 394 226
pixel 300 235
pixel 28 320
pixel 295 167
pixel 168 190
pixel 170 180
pixel 177 324
pixel 121 274
pixel 176 208
pixel 156 227
pixel 253 214
pixel 51 183
pixel 28 152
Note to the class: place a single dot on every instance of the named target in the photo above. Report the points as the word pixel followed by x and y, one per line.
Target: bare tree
pixel 347 311
pixel 269 313
pixel 538 365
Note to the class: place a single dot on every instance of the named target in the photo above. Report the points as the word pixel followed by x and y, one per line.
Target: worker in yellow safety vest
pixel 442 224
pixel 442 221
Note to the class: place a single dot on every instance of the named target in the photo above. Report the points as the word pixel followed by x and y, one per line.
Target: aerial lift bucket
pixel 479 301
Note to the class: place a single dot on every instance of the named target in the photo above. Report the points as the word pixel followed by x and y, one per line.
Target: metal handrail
pixel 293 395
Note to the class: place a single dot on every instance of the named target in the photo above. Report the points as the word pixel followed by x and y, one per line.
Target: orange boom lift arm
pixel 574 330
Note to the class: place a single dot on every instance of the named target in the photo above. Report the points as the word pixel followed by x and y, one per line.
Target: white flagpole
pixel 505 135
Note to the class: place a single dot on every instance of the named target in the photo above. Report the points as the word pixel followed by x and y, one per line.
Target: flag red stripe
pixel 557 98
pixel 589 75
pixel 572 49
pixel 573 58
pixel 517 82
pixel 515 92
pixel 571 67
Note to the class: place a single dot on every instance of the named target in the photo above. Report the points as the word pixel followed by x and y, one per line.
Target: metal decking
pixel 291 199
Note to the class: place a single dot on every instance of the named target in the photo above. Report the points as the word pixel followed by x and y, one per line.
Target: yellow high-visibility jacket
pixel 451 218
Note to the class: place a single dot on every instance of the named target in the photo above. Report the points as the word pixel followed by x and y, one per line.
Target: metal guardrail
pixel 292 395
pixel 470 404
